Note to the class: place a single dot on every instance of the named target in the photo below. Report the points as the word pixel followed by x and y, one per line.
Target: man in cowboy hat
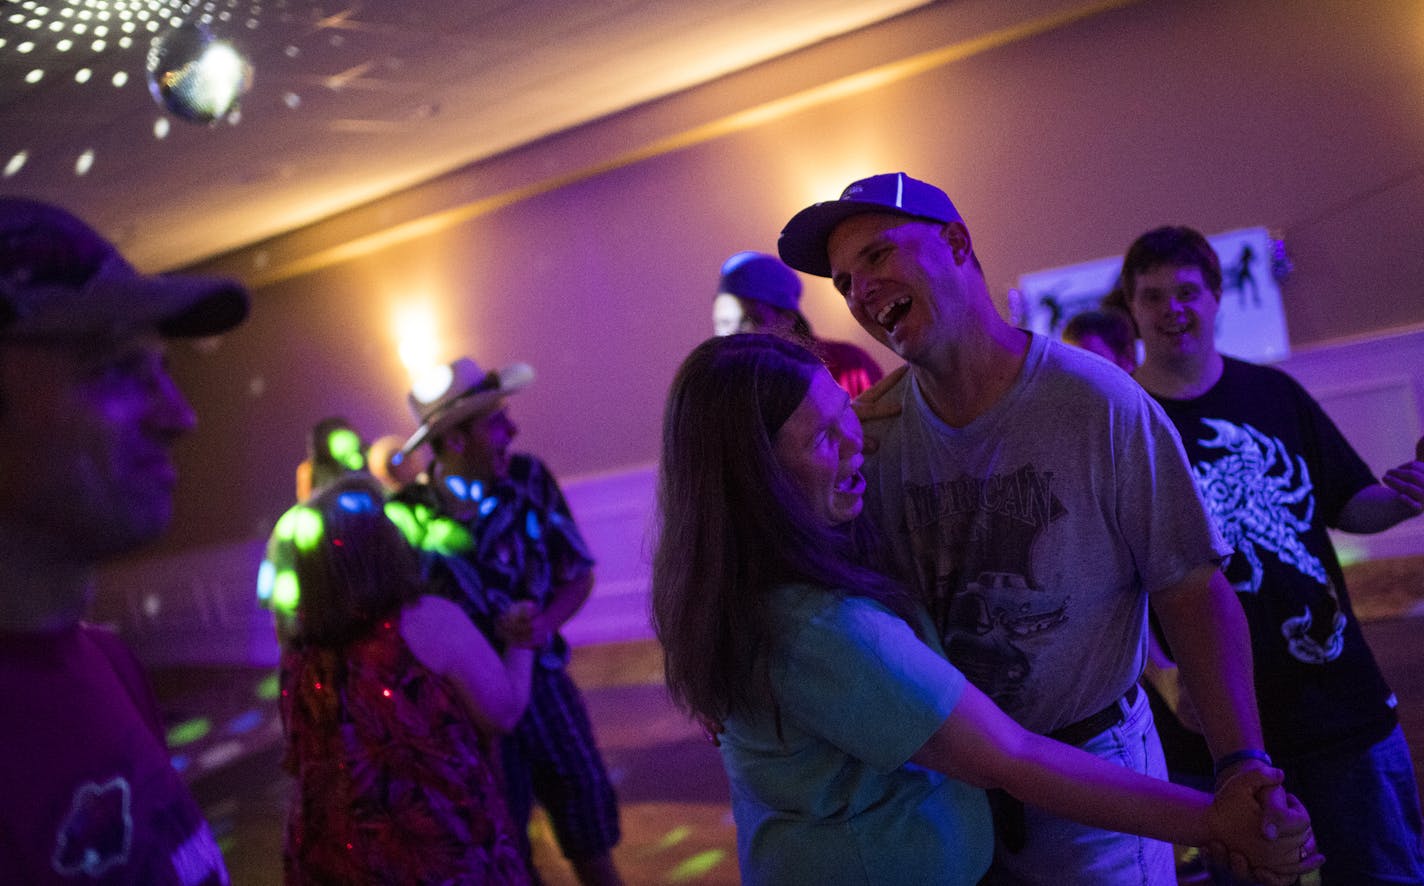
pixel 88 418
pixel 526 546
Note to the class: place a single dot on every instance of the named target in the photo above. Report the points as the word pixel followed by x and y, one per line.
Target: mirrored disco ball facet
pixel 195 77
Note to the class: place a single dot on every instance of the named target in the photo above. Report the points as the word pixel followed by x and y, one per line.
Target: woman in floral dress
pixel 392 701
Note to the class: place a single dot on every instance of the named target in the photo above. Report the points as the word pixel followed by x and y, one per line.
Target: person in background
pixel 1105 332
pixel 1275 473
pixel 758 293
pixel 523 546
pixel 334 451
pixel 1039 501
pixel 391 703
pixel 88 418
pixel 395 473
pixel 855 751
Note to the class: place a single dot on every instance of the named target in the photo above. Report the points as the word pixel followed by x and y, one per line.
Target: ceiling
pixel 351 101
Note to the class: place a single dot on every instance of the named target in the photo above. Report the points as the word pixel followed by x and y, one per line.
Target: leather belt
pixel 1008 811
pixel 1091 725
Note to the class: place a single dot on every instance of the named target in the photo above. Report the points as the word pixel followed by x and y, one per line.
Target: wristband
pixel 1241 756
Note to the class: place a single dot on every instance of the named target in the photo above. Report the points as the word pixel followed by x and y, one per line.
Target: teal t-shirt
pixel 838 802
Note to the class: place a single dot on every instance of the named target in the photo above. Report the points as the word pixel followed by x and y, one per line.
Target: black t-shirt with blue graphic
pixel 1274 472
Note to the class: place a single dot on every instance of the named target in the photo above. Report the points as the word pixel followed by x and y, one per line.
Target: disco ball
pixel 195 77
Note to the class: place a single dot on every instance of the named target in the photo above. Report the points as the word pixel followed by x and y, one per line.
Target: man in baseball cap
pixel 88 415
pixel 1042 500
pixel 759 293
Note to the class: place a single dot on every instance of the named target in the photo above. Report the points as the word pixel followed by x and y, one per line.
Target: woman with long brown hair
pixel 856 752
pixel 391 702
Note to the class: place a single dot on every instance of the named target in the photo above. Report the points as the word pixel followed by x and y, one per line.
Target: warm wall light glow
pixel 416 339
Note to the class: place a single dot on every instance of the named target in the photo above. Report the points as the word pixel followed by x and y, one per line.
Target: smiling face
pixel 1175 312
pixel 819 448
pixel 85 439
pixel 903 280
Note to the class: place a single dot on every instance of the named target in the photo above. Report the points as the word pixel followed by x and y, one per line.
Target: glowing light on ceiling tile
pixel 84 163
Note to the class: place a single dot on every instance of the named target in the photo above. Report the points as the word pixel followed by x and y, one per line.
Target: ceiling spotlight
pixel 195 77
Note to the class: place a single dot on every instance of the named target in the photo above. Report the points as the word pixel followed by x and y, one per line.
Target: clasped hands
pixel 1258 831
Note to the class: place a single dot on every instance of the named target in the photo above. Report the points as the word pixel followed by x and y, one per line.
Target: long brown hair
pixel 732 527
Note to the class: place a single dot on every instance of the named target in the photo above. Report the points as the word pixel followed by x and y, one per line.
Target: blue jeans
pixel 1364 807
pixel 1065 853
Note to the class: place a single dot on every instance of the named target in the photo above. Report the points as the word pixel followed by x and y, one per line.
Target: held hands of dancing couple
pixel 1260 832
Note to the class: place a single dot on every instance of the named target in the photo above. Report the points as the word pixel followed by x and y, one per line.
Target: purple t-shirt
pixel 89 793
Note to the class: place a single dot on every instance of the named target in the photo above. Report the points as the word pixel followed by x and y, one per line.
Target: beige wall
pixel 593 255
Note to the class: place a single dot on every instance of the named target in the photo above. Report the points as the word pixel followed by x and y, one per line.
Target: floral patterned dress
pixel 395 784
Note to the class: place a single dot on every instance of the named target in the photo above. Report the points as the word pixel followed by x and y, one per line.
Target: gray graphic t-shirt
pixel 1035 533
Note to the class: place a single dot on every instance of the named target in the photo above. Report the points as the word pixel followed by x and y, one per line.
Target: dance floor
pixel 677 825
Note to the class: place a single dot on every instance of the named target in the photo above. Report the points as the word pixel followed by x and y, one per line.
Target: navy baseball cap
pixel 59 278
pixel 761 277
pixel 803 241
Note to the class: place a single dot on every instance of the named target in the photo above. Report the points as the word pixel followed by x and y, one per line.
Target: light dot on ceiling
pixel 34 76
pixel 82 75
pixel 161 126
pixel 16 163
pixel 121 78
pixel 84 163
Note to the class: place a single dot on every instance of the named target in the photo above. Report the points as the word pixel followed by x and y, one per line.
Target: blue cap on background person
pixel 761 277
pixel 803 241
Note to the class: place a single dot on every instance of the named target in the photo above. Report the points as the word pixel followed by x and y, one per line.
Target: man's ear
pixel 956 235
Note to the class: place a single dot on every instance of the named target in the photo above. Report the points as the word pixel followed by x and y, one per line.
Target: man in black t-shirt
pixel 1275 472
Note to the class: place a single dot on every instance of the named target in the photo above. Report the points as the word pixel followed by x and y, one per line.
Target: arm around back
pixel 495 689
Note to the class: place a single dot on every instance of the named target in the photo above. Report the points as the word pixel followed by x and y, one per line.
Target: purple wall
pixel 1306 117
